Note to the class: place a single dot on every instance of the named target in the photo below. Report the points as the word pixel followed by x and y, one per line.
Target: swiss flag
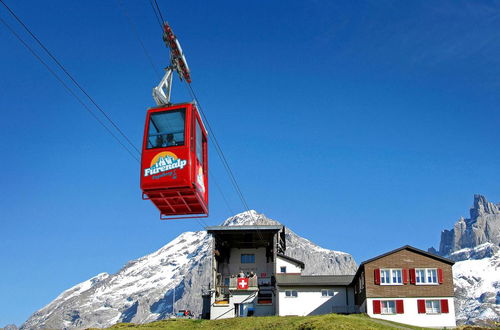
pixel 242 283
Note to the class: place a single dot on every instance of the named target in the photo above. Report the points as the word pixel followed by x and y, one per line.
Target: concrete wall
pixel 235 265
pixel 310 301
pixel 411 315
pixel 291 267
pixel 227 311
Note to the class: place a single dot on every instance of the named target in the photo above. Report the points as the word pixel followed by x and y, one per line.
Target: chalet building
pixel 407 285
pixel 244 250
pixel 252 276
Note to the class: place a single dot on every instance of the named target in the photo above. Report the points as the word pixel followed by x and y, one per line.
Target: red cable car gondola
pixel 174 164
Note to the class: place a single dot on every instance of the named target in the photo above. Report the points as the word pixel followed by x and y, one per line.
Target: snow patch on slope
pixel 477 289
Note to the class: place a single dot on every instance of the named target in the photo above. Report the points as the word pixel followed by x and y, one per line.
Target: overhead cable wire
pixel 156 14
pixel 218 148
pixel 35 54
pixel 136 33
pixel 135 30
pixel 159 12
pixel 223 158
pixel 69 75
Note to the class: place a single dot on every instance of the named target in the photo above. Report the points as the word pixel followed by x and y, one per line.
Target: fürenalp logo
pixel 164 162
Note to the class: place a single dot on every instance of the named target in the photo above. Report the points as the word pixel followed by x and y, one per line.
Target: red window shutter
pixel 421 306
pixel 377 276
pixel 413 276
pixel 444 306
pixel 400 307
pixel 440 276
pixel 405 276
pixel 376 307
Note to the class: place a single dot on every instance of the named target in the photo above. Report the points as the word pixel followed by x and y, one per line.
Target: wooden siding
pixel 407 259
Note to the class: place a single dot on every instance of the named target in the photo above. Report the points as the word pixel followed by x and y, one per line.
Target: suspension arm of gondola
pixel 161 93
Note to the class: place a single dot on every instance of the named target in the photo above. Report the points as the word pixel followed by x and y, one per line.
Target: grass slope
pixel 329 321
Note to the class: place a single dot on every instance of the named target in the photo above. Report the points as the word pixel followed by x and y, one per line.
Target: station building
pixel 252 276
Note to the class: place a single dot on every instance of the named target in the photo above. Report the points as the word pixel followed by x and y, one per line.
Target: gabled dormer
pixel 288 265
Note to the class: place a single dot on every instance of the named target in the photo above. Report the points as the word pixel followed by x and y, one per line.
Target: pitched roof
pixel 413 249
pixel 212 229
pixel 313 280
pixel 300 263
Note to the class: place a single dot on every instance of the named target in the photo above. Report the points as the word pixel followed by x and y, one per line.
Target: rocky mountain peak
pixel 483 226
pixel 482 207
pixel 249 218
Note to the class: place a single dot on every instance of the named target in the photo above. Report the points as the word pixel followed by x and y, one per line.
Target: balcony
pixel 252 284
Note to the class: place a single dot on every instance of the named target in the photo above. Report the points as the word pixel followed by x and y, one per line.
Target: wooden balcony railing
pixel 252 284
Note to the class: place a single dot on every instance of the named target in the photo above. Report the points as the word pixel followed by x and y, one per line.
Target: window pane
pixel 248 258
pixel 324 293
pixel 199 143
pixel 420 275
pixel 431 276
pixel 283 269
pixel 432 306
pixel 294 294
pixel 396 276
pixel 166 129
pixel 385 276
pixel 288 293
pixel 388 307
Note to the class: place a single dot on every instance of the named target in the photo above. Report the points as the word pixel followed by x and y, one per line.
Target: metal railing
pixel 252 283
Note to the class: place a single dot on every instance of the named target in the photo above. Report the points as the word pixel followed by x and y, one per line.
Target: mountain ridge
pixel 144 289
pixel 474 244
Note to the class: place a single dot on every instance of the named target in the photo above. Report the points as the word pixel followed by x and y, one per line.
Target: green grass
pixel 329 321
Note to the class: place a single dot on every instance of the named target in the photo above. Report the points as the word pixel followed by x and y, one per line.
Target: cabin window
pixel 199 143
pixel 426 276
pixel 248 258
pixel 291 294
pixel 327 293
pixel 283 269
pixel 166 129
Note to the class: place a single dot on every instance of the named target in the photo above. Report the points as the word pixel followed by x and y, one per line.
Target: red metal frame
pixel 170 38
pixel 181 192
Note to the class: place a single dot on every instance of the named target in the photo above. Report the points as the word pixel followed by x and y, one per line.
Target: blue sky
pixel 362 126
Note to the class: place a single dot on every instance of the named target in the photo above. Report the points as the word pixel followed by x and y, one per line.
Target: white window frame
pixel 325 293
pixel 385 310
pixel 427 273
pixel 391 272
pixel 432 309
pixel 291 294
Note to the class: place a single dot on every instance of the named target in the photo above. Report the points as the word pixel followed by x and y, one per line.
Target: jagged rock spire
pixel 483 226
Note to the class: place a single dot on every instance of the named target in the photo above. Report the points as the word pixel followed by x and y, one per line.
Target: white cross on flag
pixel 242 283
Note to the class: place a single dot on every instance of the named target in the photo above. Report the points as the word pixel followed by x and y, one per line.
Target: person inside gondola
pixel 170 140
pixel 159 141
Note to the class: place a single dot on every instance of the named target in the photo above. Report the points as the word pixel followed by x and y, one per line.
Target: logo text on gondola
pixel 164 162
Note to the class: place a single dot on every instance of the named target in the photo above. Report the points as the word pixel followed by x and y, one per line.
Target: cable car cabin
pixel 174 165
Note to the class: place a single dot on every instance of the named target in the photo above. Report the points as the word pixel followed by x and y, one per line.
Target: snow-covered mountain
pixel 474 244
pixel 144 289
pixel 477 285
